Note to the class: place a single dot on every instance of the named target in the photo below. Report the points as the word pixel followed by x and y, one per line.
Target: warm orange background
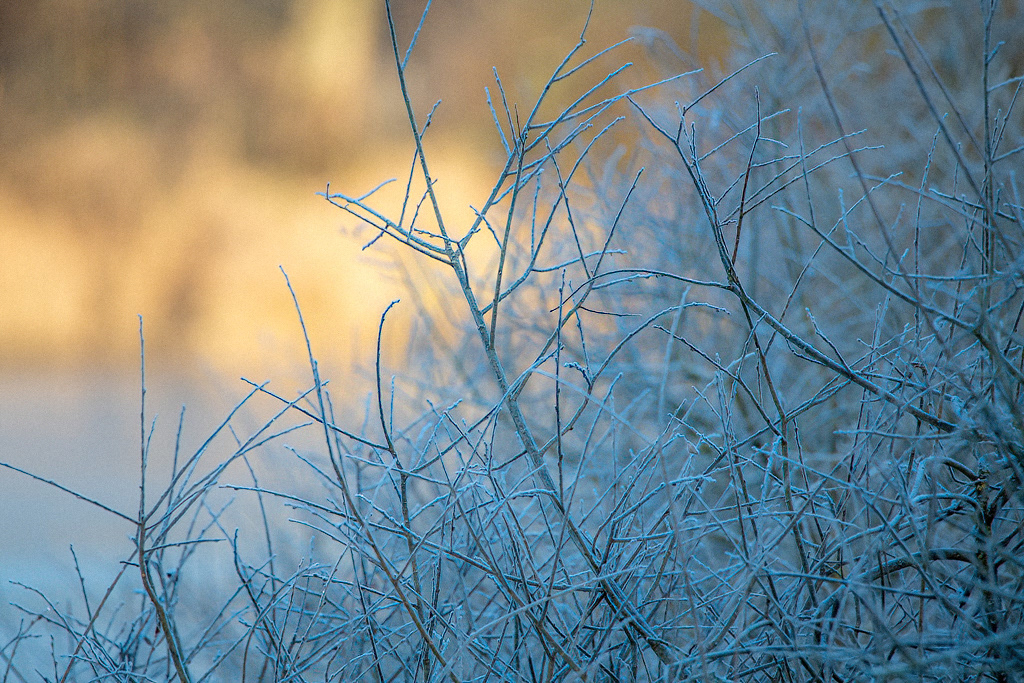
pixel 163 159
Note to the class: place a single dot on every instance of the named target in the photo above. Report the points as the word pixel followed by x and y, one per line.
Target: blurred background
pixel 163 158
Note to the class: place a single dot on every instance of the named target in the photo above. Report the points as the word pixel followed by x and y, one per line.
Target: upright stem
pixel 170 632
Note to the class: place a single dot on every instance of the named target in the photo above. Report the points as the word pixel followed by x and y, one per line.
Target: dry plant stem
pixel 783 420
pixel 92 622
pixel 8 659
pixel 168 626
pixel 924 308
pixel 350 503
pixel 736 287
pixel 954 147
pixel 65 489
pixel 453 253
pixel 746 181
pixel 371 626
pixel 519 141
pixel 294 405
pixel 523 606
pixel 984 192
pixel 403 478
pixel 982 328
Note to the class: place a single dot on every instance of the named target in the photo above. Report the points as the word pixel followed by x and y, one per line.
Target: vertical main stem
pixel 170 632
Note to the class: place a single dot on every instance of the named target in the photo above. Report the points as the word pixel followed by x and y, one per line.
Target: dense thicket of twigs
pixel 735 394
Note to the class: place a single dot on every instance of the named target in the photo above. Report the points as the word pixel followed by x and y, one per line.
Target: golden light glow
pixel 164 163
